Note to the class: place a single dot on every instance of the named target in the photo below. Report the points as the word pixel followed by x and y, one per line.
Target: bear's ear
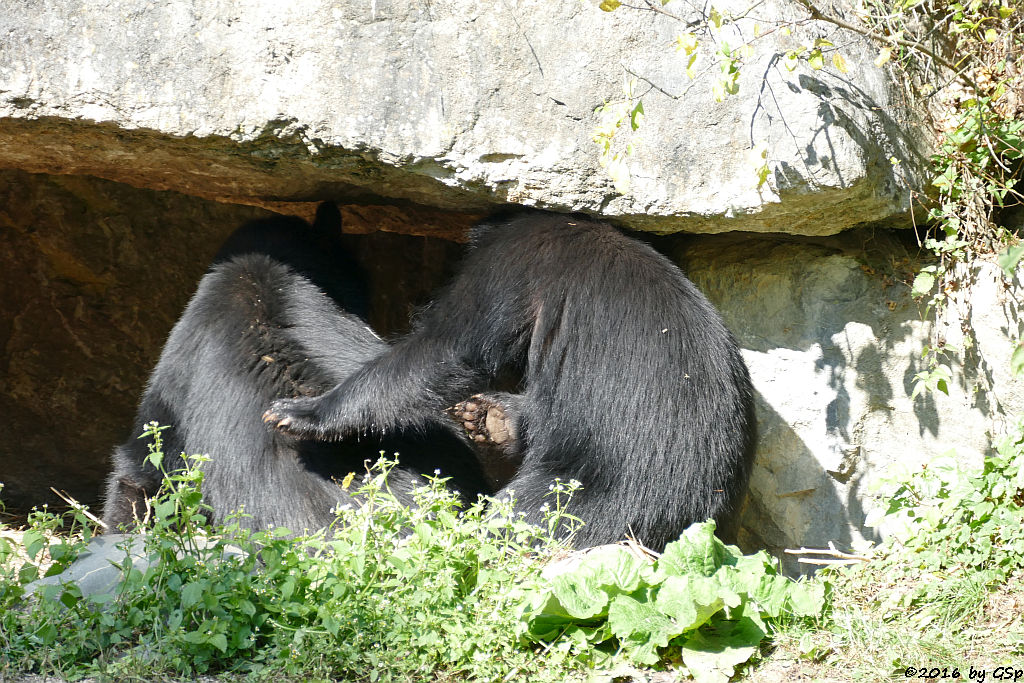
pixel 328 219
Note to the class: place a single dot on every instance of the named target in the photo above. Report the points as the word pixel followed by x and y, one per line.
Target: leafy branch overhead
pixel 958 60
pixel 712 44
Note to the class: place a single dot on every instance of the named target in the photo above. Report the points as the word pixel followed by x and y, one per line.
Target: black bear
pixel 275 316
pixel 630 383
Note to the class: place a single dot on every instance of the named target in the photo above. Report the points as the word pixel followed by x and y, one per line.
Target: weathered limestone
pixel 833 341
pixel 452 103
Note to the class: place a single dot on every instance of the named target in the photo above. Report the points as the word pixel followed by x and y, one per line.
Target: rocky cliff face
pixel 456 104
pixel 136 136
pixel 833 341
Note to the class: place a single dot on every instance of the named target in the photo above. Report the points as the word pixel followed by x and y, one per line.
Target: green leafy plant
pixel 940 591
pixel 715 46
pixel 700 597
pixel 952 515
pixel 956 532
pixel 937 375
pixel 389 592
pixel 611 117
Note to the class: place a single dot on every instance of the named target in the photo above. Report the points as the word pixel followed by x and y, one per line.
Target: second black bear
pixel 630 381
pixel 273 317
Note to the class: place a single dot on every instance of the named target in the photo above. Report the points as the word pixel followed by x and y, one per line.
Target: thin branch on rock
pixel 818 15
pixel 831 552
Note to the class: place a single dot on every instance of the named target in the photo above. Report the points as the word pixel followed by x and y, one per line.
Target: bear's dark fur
pixel 630 382
pixel 272 318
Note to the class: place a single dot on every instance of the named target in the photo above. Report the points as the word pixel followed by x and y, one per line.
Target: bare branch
pixel 818 15
pixel 832 551
pixel 66 497
pixel 649 6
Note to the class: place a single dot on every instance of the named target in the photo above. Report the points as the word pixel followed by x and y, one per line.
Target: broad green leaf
pixel 714 658
pixel 687 42
pixel 245 607
pixel 743 580
pixel 923 283
pixel 807 599
pixel 192 593
pixel 174 620
pixel 578 595
pixel 762 174
pixel 715 17
pixel 691 72
pixel 754 566
pixel 839 63
pixel 689 600
pixel 48 633
pixel 583 591
pixel 288 587
pixel 71 597
pixel 640 628
pixel 698 551
pixel 816 59
pixel 219 641
pixel 154 458
pixel 884 55
pixel 1017 364
pixel 27 573
pixel 194 637
pixel 757 158
pixel 942 374
pixel 991 35
pixel 613 567
pixel 33 541
pixel 1009 259
pixel 164 509
pixel 610 5
pixel 636 116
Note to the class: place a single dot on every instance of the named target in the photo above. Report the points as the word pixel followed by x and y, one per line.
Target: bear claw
pixel 483 420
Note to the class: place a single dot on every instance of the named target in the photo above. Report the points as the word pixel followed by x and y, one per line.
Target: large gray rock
pixel 451 103
pixel 99 568
pixel 833 341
